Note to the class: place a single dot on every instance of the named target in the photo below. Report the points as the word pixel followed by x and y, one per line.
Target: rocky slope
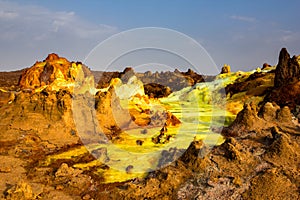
pixel 258 160
pixel 44 157
pixel 41 118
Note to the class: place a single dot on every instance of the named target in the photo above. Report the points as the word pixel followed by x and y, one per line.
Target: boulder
pixel 157 90
pixel 225 69
pixel 266 66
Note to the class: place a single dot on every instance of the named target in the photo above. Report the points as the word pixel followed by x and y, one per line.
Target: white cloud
pixel 35 31
pixel 288 36
pixel 42 21
pixel 7 15
pixel 243 18
pixel 283 37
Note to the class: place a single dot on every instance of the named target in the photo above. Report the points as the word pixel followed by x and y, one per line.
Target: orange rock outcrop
pixel 53 68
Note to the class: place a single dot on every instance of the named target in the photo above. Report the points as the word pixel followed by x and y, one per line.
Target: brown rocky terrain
pixel 40 147
pixel 158 84
pixel 10 79
pixel 258 160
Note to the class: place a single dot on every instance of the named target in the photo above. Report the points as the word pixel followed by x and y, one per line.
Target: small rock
pixel 129 169
pixel 73 132
pixel 266 66
pixel 144 131
pixel 101 154
pixel 139 142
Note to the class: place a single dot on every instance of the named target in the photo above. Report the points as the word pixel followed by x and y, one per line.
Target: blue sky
pixel 243 34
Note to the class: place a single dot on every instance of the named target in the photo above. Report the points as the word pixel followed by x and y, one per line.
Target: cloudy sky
pixel 243 34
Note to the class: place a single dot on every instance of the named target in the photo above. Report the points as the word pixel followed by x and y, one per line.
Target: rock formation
pixel 225 69
pixel 157 90
pixel 196 78
pixel 251 118
pixel 42 155
pixel 158 84
pixel 287 70
pixel 256 84
pixel 266 66
pixel 286 91
pixel 111 116
pixel 237 169
pixel 54 70
pixel 287 95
